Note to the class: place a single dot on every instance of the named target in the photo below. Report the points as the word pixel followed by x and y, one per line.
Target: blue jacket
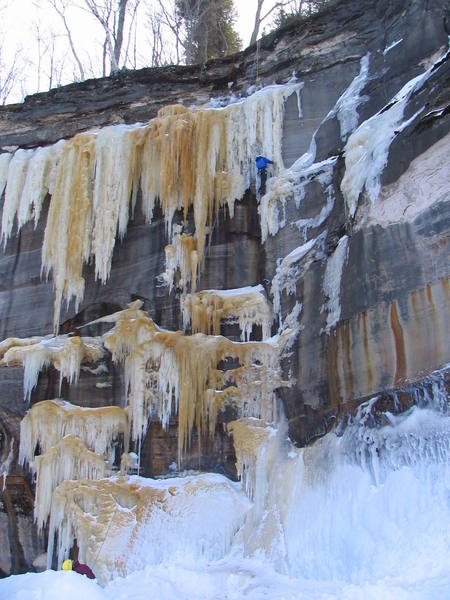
pixel 262 162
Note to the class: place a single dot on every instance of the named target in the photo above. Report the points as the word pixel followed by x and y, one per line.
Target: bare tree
pixel 131 54
pixel 291 6
pixel 259 19
pixel 170 17
pixel 60 6
pixel 111 15
pixel 9 74
pixel 11 68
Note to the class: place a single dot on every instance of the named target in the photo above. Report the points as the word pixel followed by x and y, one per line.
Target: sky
pixel 21 20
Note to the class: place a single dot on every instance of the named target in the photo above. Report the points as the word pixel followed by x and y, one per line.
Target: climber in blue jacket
pixel 261 164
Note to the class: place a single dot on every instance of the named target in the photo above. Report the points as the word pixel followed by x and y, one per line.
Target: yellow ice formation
pixel 200 157
pixel 47 422
pixel 197 375
pixel 204 311
pixel 251 441
pixel 64 352
pixel 68 459
pixel 181 258
pixel 120 520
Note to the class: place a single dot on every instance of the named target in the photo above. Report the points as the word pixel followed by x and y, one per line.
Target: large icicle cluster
pixel 47 422
pixel 68 459
pixel 199 157
pixel 166 371
pixel 74 443
pixel 66 353
pixel 205 310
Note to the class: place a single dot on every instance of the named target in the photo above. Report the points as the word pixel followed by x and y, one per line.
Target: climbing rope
pixel 255 66
pixel 104 539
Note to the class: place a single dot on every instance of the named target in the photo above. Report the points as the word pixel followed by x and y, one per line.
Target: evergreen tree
pixel 305 8
pixel 209 29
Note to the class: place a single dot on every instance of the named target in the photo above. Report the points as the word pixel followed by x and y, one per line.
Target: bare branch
pixel 60 7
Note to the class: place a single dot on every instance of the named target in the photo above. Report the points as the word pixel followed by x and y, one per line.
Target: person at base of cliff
pixel 82 569
pixel 261 164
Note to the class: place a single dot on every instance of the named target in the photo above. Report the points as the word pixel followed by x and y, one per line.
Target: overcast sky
pixel 19 26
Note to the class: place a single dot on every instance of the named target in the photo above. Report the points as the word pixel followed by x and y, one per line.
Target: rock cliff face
pixel 354 227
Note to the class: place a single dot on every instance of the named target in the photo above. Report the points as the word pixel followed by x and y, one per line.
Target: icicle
pixel 4 164
pixel 40 180
pixel 6 464
pixel 247 306
pixel 182 258
pixel 199 157
pixel 65 353
pixel 68 232
pixel 68 459
pixel 117 168
pixel 167 371
pixel 17 172
pixel 332 282
pixel 47 422
pixel 250 437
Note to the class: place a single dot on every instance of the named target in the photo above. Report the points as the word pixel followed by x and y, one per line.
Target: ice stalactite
pixel 205 310
pixel 262 466
pixel 47 422
pixel 117 172
pixel 332 282
pixel 31 175
pixel 367 149
pixel 166 371
pixel 122 524
pixel 252 438
pixel 182 268
pixel 4 164
pixel 198 157
pixel 68 459
pixel 64 352
pixel 67 239
pixel 17 172
pixel 6 464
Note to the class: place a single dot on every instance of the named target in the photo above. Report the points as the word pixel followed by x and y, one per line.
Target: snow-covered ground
pixel 364 515
pixel 225 580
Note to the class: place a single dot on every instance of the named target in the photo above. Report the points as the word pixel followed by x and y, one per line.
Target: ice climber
pixel 82 569
pixel 261 164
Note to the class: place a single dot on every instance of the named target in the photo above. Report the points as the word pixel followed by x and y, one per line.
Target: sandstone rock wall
pixel 390 293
